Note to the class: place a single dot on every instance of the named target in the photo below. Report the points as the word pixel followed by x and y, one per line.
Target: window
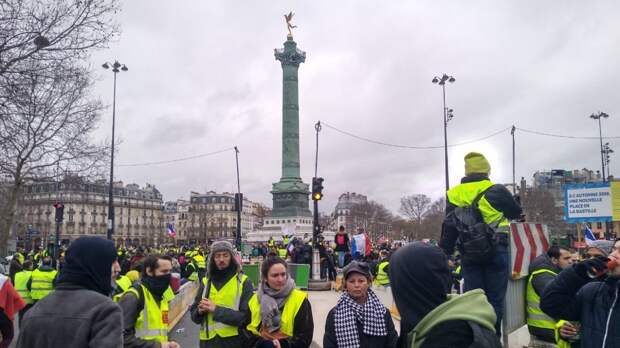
pixel 599 225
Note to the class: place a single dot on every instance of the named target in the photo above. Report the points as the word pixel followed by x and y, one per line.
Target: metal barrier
pixel 527 241
pixel 181 302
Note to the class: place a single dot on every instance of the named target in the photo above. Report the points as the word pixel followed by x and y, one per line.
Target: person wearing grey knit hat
pixel 221 304
pixel 599 247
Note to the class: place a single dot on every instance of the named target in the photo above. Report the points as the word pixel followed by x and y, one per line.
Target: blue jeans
pixel 341 259
pixel 493 279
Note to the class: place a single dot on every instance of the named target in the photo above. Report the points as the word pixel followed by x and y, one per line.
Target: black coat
pixel 596 304
pixel 366 341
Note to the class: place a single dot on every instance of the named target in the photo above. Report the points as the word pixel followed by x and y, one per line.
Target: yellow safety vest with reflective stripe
pixel 194 275
pixel 464 194
pixel 382 276
pixel 152 323
pixel 282 253
pixel 124 283
pixel 535 316
pixel 228 296
pixel 42 283
pixel 21 285
pixel 200 261
pixel 289 312
pixel 560 342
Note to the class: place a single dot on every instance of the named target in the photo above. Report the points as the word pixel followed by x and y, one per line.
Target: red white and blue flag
pixel 171 232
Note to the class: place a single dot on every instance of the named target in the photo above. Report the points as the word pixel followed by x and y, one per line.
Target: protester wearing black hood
pixel 79 312
pixel 420 280
pixel 221 304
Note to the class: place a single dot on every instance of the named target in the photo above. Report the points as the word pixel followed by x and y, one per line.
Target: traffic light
pixel 60 209
pixel 317 189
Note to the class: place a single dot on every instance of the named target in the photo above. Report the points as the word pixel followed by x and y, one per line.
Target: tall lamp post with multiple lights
pixel 116 68
pixel 447 116
pixel 598 117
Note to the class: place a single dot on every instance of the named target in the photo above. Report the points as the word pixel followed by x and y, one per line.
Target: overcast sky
pixel 202 77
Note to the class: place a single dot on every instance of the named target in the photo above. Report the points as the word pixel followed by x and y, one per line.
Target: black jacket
pixel 366 341
pixel 498 196
pixel 596 304
pixel 303 329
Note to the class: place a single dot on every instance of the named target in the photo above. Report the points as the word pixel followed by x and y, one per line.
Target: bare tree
pixel 45 124
pixel 415 206
pixel 52 31
pixel 372 216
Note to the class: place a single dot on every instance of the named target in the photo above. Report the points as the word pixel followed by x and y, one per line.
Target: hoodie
pixel 420 281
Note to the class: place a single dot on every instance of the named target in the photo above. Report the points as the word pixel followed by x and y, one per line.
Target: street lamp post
pixel 116 67
pixel 447 116
pixel 600 135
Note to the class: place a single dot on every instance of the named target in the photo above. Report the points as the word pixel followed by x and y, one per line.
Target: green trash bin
pixel 300 273
pixel 252 271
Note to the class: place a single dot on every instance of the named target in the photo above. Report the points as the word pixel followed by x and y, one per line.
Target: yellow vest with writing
pixel 228 296
pixel 21 285
pixel 42 283
pixel 152 323
pixel 289 312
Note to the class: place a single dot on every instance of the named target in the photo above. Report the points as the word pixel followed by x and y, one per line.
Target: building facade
pixel 138 212
pixel 212 216
pixel 344 213
pixel 176 213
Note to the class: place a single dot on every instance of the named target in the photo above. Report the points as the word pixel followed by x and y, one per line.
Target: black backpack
pixel 476 241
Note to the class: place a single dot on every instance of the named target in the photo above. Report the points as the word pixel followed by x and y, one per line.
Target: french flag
pixel 589 236
pixel 171 232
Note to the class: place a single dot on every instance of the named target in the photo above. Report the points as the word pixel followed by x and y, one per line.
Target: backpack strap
pixel 474 203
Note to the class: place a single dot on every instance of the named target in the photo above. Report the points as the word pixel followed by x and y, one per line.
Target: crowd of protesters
pixel 99 295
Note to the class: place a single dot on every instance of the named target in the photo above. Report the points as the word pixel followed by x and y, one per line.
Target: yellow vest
pixel 123 282
pixel 282 253
pixel 42 283
pixel 152 323
pixel 382 276
pixel 464 194
pixel 535 316
pixel 194 275
pixel 200 260
pixel 21 285
pixel 289 312
pixel 228 296
pixel 561 343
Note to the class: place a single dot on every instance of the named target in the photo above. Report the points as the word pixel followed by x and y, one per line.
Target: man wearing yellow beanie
pixel 485 260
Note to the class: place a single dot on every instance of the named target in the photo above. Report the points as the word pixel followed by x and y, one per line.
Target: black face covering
pixel 420 280
pixel 157 285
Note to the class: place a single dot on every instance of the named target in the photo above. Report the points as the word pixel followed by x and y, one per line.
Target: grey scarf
pixel 271 303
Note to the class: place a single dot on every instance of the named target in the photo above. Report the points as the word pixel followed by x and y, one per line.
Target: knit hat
pixel 475 163
pixel 221 245
pixel 133 276
pixel 606 246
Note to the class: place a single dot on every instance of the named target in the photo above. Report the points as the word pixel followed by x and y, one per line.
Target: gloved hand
pixel 592 268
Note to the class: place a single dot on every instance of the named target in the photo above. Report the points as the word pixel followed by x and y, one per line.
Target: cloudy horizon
pixel 202 78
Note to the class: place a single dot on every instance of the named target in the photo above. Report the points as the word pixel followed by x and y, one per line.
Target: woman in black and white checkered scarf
pixel 359 319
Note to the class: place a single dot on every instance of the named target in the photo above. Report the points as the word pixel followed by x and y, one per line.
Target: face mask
pixel 157 285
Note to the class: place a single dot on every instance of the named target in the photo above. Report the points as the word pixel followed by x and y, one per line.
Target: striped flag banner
pixel 526 243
